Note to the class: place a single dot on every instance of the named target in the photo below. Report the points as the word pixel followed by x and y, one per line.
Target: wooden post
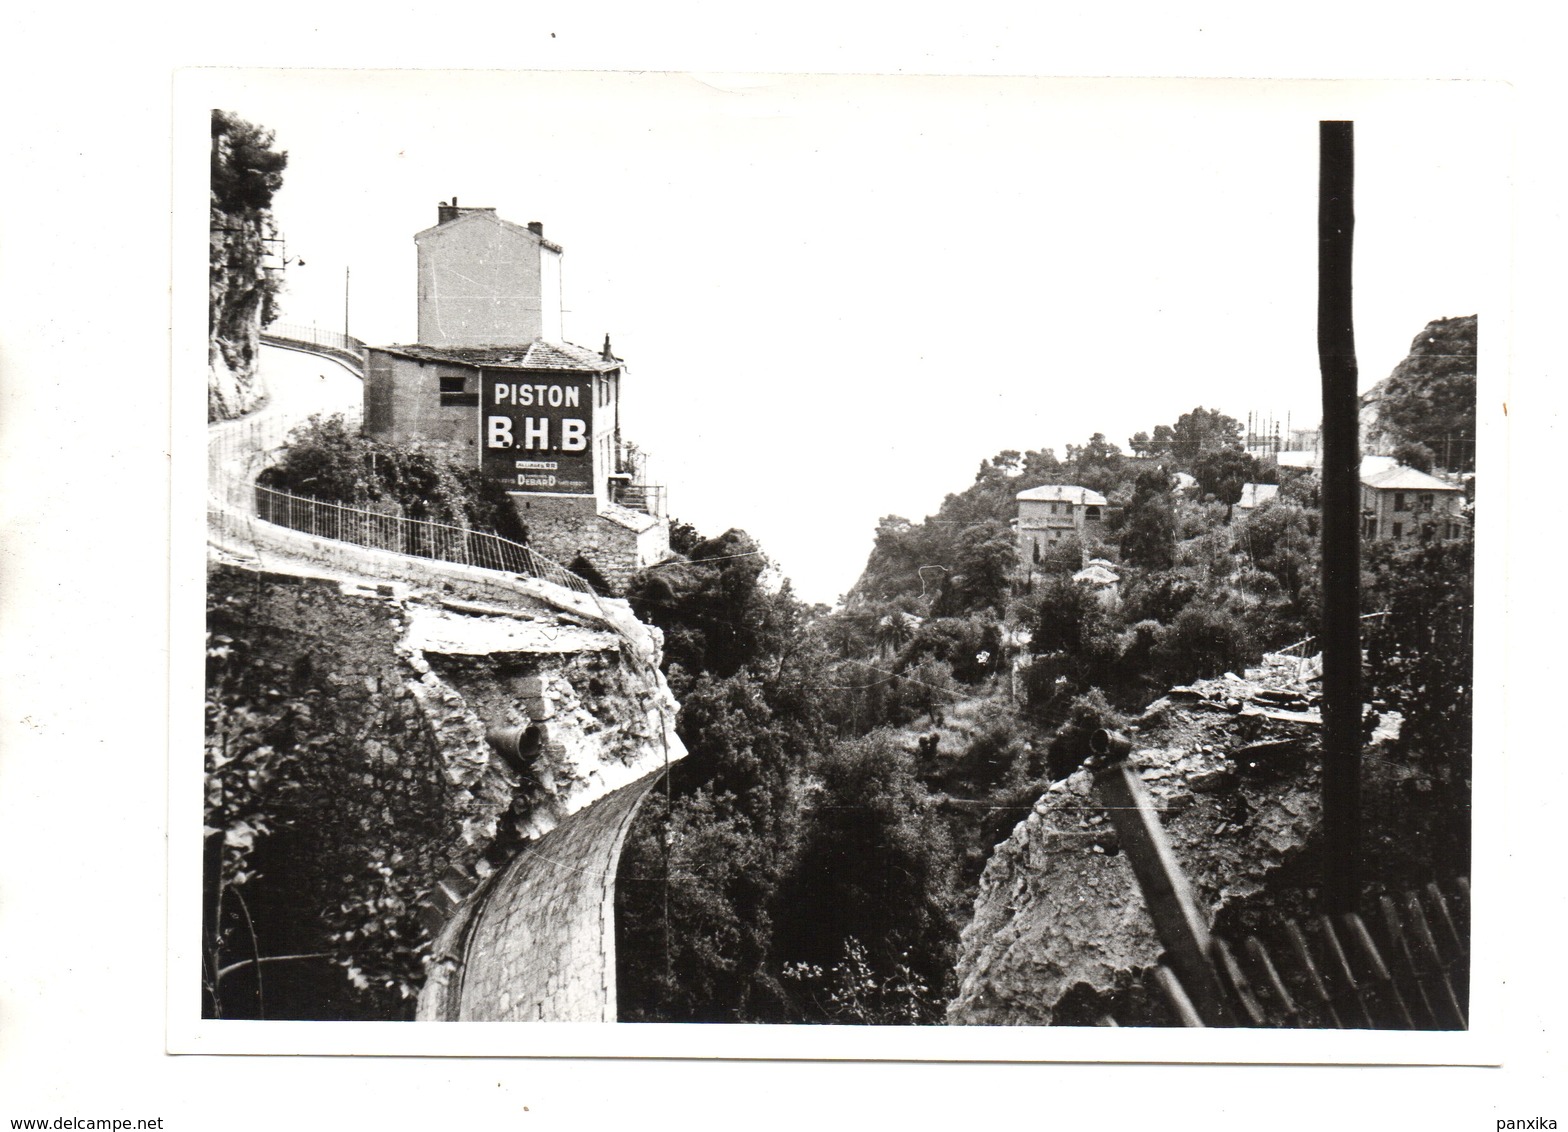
pixel 1341 635
pixel 1180 923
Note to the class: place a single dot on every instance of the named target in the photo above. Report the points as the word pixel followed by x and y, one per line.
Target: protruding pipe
pixel 1110 746
pixel 517 744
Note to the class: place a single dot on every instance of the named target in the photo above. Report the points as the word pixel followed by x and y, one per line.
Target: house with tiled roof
pixel 492 376
pixel 1400 504
pixel 1052 513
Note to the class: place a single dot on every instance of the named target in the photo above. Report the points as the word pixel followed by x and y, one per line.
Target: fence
pixel 418 538
pixel 236 452
pixel 316 336
pixel 1401 974
pixel 1408 970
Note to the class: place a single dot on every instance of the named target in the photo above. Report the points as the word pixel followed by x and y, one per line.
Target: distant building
pixel 1400 504
pixel 1254 495
pixel 1102 580
pixel 491 375
pixel 1049 514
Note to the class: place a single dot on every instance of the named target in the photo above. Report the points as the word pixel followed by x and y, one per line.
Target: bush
pixel 1202 643
pixel 960 642
pixel 325 459
pixel 1088 714
pixel 875 865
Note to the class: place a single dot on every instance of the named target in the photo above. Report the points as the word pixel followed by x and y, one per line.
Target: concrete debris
pixel 1061 935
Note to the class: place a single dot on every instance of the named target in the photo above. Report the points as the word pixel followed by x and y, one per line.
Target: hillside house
pixel 1102 581
pixel 1052 513
pixel 492 376
pixel 1400 504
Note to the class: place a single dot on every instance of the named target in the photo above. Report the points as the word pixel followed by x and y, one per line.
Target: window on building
pixel 1399 530
pixel 1399 501
pixel 454 391
pixel 1091 512
pixel 1424 501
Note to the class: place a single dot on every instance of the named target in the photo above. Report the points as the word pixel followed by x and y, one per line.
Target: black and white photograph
pixel 586 566
pixel 842 551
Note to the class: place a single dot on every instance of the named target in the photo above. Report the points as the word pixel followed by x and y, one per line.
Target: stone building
pixel 1400 504
pixel 492 375
pixel 1052 513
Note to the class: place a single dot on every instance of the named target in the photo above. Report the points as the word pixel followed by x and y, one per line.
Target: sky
pixel 837 296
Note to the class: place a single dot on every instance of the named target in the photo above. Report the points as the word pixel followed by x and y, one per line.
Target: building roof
pixel 534 355
pixel 636 521
pixel 468 213
pixel 1062 493
pixel 1401 478
pixel 1096 576
pixel 1254 494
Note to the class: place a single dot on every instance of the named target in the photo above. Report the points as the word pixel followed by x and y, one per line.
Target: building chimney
pixel 445 212
pixel 536 228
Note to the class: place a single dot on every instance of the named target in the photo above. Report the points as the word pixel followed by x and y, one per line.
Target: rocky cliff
pixel 1061 935
pixel 398 798
pixel 242 238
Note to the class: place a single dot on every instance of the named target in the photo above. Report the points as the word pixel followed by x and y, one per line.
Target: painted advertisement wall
pixel 536 431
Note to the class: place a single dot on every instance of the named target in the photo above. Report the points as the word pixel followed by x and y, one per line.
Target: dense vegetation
pixel 1426 407
pixel 329 460
pixel 309 900
pixel 815 856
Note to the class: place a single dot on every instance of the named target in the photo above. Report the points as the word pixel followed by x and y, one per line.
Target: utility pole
pixel 1341 634
pixel 345 308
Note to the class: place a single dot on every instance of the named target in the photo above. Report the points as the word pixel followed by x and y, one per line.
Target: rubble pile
pixel 1060 933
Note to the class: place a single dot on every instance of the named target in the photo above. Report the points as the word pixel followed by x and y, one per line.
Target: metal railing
pixel 417 538
pixel 645 497
pixel 315 336
pixel 238 450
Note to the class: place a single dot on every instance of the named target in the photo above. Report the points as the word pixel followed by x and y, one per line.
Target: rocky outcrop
pixel 246 170
pixel 238 288
pixel 405 790
pixel 1061 935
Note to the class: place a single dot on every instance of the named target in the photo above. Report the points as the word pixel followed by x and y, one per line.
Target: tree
pixel 1222 473
pixel 1079 633
pixel 328 460
pixel 715 609
pixel 246 170
pixel 1281 537
pixel 1204 430
pixel 985 560
pixel 693 913
pixel 1203 642
pixel 1148 534
pixel 1429 399
pixel 874 866
pixel 1097 464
